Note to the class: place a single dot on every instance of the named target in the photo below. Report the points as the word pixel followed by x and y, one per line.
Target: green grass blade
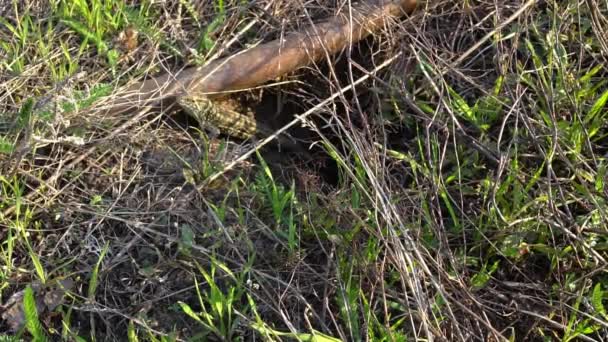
pixel 37 264
pixel 597 107
pixel 94 275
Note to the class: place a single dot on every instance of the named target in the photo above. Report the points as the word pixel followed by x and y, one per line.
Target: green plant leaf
pixel 480 279
pixel 188 311
pixel 25 113
pixel 597 107
pixel 316 336
pixel 32 322
pixel 36 261
pixel 597 298
pixel 461 106
pixel 131 333
pixel 94 275
pixel 87 34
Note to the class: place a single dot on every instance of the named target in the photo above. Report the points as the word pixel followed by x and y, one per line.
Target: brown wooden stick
pixel 268 61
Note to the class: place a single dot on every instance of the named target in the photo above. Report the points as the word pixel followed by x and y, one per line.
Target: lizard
pixel 219 117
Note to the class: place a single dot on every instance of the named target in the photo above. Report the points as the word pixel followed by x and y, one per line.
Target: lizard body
pixel 212 115
pixel 223 118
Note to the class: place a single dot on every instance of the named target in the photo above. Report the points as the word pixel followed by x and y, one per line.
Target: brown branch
pixel 270 60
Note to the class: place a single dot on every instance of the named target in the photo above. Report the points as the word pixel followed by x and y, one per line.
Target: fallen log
pixel 267 61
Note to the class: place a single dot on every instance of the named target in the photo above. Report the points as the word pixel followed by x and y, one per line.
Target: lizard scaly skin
pixel 216 116
pixel 221 117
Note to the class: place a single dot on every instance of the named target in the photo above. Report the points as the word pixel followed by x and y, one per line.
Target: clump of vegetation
pixel 459 193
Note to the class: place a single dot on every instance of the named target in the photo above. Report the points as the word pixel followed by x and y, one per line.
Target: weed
pixel 217 315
